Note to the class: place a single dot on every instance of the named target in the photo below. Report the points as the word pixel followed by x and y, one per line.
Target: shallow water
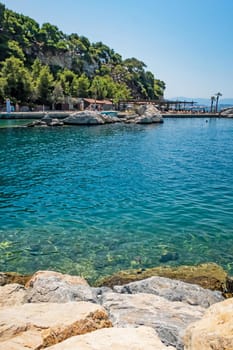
pixel 94 200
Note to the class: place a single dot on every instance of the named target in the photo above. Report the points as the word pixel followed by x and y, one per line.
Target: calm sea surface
pixel 94 200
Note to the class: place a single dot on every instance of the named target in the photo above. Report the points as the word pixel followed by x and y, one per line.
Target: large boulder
pixel 148 114
pixel 214 330
pixel 72 280
pixel 54 290
pixel 37 326
pixel 84 118
pixel 168 319
pixel 141 338
pixel 172 290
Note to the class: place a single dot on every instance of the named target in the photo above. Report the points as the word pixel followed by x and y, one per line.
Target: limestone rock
pixel 52 289
pixel 141 338
pixel 109 119
pixel 169 319
pixel 172 290
pixel 84 118
pixel 37 326
pixel 148 114
pixel 214 330
pixel 209 275
pixel 72 280
pixel 12 294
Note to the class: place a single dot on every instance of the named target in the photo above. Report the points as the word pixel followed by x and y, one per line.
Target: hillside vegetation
pixel 42 65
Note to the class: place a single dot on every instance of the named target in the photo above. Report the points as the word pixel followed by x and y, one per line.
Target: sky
pixel 185 43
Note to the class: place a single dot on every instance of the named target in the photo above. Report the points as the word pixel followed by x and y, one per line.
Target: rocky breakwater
pixel 227 113
pixel 146 114
pixel 62 312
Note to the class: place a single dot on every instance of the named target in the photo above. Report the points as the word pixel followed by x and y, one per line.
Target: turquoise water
pixel 94 200
pixel 4 123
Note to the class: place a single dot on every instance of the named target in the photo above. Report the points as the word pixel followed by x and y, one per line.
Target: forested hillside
pixel 42 65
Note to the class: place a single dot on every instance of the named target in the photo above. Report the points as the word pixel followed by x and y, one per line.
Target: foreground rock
pixel 37 326
pixel 172 290
pixel 210 275
pixel 214 330
pixel 54 290
pixel 141 338
pixel 13 294
pixel 39 275
pixel 169 319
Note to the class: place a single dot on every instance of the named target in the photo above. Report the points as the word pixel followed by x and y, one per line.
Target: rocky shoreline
pixel 55 311
pixel 146 114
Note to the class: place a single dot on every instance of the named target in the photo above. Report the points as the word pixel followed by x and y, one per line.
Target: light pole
pixel 217 98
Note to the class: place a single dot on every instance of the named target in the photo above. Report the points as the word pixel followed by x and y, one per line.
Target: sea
pixel 95 200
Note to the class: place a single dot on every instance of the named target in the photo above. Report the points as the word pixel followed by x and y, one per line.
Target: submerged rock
pixel 209 275
pixel 169 256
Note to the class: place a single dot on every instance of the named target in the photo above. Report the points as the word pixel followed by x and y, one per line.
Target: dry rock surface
pixel 214 330
pixel 141 338
pixel 168 319
pixel 172 290
pixel 37 326
pixel 51 310
pixel 72 280
pixel 12 294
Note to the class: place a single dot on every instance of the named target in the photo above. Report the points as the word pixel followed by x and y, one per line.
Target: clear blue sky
pixel 186 43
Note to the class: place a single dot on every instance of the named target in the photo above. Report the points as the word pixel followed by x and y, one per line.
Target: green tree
pixel 36 68
pixel 16 50
pixel 16 80
pixel 122 92
pixel 44 86
pixel 83 85
pixel 159 87
pixel 57 94
pixel 51 35
pixel 69 82
pixel 102 87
